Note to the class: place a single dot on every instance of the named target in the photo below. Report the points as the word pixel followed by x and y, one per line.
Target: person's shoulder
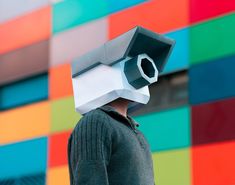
pixel 93 121
pixel 93 115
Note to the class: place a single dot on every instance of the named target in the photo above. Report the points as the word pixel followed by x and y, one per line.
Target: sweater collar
pixel 111 110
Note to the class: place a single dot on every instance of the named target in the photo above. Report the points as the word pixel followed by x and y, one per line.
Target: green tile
pixel 212 39
pixel 63 115
pixel 172 167
pixel 167 129
pixel 68 14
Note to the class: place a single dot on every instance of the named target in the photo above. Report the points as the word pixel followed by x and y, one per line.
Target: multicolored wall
pixel 189 122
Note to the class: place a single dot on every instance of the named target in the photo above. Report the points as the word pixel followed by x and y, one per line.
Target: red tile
pixel 214 164
pixel 58 148
pixel 25 30
pixel 156 15
pixel 205 9
pixel 213 122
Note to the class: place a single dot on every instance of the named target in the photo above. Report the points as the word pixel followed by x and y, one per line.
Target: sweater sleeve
pixel 89 151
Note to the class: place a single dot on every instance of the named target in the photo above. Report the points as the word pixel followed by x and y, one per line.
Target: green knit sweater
pixel 106 148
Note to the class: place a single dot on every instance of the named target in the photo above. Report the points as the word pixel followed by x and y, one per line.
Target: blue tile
pixel 179 58
pixel 212 81
pixel 23 158
pixel 24 92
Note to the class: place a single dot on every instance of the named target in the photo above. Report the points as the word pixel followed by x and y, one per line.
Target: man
pixel 106 148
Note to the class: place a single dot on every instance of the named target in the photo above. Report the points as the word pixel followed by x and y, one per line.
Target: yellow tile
pixel 172 167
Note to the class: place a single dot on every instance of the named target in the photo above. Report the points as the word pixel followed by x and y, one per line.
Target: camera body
pixel 121 68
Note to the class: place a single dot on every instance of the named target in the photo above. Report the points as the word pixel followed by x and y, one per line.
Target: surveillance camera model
pixel 120 68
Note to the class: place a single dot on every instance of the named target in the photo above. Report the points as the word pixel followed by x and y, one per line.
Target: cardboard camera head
pixel 120 68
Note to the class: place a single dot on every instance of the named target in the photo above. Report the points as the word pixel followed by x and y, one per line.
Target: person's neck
pixel 120 105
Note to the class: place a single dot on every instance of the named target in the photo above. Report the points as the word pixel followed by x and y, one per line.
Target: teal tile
pixel 71 13
pixel 166 130
pixel 68 14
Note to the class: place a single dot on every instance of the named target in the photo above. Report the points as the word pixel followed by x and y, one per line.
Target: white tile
pixel 73 43
pixel 10 9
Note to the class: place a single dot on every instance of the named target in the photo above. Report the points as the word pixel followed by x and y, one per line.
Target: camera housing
pixel 120 68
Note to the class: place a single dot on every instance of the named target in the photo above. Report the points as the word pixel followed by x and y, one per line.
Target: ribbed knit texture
pixel 105 148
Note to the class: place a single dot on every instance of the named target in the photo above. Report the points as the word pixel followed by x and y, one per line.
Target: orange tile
pixel 25 122
pixel 58 176
pixel 214 164
pixel 156 15
pixel 60 80
pixel 25 30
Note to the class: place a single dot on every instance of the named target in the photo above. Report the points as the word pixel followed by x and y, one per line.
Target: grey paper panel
pixel 130 44
pixel 169 92
pixel 24 62
pixel 9 9
pixel 74 43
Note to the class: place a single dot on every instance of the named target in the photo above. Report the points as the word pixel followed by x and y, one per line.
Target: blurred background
pixel 189 121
